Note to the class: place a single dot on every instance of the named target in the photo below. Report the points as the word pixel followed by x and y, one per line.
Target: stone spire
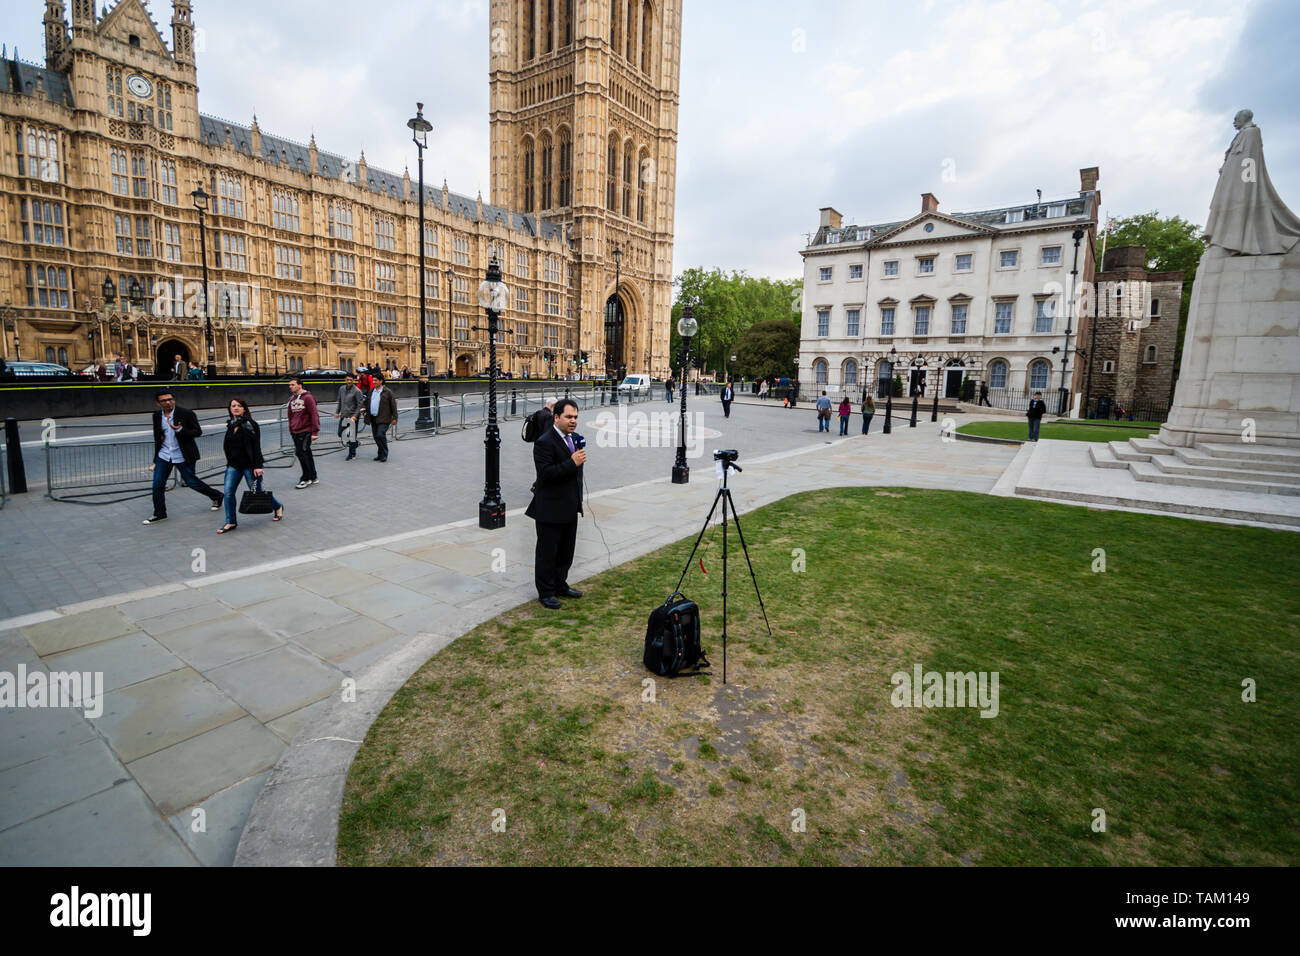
pixel 182 32
pixel 314 167
pixel 255 138
pixel 56 34
pixel 83 14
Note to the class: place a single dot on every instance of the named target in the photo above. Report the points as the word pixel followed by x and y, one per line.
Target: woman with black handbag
pixel 243 447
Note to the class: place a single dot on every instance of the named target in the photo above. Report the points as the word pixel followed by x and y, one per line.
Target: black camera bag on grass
pixel 672 638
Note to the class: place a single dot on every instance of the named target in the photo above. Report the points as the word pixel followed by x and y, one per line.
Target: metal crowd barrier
pixel 83 470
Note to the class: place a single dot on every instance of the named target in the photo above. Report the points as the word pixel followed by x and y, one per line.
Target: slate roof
pixel 1076 208
pixel 277 150
pixel 21 77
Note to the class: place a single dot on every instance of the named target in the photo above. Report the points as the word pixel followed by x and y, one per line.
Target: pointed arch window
pixel 642 177
pixel 647 27
pixel 630 49
pixel 550 25
pixel 615 35
pixel 566 33
pixel 566 168
pixel 547 157
pixel 627 179
pixel 611 174
pixel 528 175
pixel 532 28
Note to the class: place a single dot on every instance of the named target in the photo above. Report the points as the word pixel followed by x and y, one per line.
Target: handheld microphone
pixel 579 442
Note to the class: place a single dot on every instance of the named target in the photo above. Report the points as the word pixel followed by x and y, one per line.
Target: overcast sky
pixel 789 106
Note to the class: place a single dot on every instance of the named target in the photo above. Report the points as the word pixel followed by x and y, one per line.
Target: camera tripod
pixel 724 496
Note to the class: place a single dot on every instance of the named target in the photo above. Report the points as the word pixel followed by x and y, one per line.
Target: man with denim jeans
pixel 1037 409
pixel 304 427
pixel 174 431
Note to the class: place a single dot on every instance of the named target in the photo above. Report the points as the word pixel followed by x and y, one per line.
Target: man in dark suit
pixel 556 504
pixel 728 396
pixel 174 431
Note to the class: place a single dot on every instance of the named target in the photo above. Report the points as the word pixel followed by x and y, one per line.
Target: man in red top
pixel 304 426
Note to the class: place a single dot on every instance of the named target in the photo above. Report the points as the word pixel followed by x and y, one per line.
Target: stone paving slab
pixel 123 660
pixel 266 646
pixel 57 780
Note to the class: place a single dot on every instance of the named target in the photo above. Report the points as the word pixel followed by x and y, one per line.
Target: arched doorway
pixel 462 366
pixel 884 378
pixel 165 357
pixel 953 375
pixel 615 322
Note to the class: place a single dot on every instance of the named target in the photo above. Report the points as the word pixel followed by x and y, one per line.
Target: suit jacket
pixel 1037 408
pixel 728 394
pixel 557 493
pixel 185 435
pixel 387 409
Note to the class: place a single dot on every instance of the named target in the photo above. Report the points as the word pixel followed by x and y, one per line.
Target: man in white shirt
pixel 174 431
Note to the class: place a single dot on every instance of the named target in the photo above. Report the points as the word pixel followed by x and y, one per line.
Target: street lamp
pixel 257 367
pixel 451 276
pixel 687 327
pixel 201 204
pixel 889 391
pixel 420 127
pixel 1077 236
pixel 493 296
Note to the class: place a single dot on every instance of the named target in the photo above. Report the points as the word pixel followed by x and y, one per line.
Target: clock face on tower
pixel 139 86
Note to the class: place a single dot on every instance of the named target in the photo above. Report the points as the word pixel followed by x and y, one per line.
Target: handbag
pixel 257 502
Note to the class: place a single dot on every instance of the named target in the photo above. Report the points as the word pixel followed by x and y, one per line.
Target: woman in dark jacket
pixel 243 447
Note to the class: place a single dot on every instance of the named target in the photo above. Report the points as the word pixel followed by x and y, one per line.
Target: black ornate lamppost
pixel 420 127
pixel 201 204
pixel 493 296
pixel 451 276
pixel 687 327
pixel 109 293
pixel 257 364
pixel 1077 236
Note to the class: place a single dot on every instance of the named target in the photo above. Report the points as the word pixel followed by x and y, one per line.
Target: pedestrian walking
pixel 178 369
pixel 351 404
pixel 984 395
pixel 1037 409
pixel 119 368
pixel 669 387
pixel 174 431
pixel 868 410
pixel 244 462
pixel 762 389
pixel 823 413
pixel 846 410
pixel 304 428
pixel 381 414
pixel 728 396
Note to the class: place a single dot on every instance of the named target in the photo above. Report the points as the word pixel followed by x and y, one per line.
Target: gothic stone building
pixel 313 257
pixel 1136 318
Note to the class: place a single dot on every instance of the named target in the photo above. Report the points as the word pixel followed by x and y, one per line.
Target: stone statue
pixel 1247 216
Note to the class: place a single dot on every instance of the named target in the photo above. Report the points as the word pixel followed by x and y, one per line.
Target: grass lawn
pixel 1118 691
pixel 1066 430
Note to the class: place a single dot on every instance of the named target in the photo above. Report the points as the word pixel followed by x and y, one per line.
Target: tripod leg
pixel 735 516
pixel 685 570
pixel 725 495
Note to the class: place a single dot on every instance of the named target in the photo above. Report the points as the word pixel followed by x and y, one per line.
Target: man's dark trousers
pixel 302 448
pixel 162 470
pixel 726 409
pixel 554 556
pixel 380 432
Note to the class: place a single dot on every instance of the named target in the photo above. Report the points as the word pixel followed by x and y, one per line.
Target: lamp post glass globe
pixel 687 327
pixel 109 290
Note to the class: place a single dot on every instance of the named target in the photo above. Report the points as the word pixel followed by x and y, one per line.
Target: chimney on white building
pixel 831 218
pixel 929 203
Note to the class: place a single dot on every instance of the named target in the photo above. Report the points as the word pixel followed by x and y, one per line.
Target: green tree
pixel 726 305
pixel 1173 245
pixel 767 350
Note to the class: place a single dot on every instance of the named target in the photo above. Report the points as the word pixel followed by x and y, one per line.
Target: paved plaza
pixel 209 677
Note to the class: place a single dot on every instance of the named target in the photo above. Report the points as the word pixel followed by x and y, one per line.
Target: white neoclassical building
pixel 946 297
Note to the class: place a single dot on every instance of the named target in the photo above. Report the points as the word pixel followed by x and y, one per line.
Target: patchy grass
pixel 1119 691
pixel 1068 431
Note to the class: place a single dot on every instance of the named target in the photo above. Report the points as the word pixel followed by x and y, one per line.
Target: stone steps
pixel 1259 464
pixel 1103 456
pixel 1232 468
pixel 1252 452
pixel 1149 471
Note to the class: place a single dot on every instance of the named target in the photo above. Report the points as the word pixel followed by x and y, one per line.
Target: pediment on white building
pixel 941 227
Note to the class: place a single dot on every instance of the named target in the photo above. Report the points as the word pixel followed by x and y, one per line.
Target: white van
pixel 635 385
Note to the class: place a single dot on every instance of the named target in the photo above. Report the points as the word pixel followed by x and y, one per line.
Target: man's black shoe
pixel 550 602
pixel 571 593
